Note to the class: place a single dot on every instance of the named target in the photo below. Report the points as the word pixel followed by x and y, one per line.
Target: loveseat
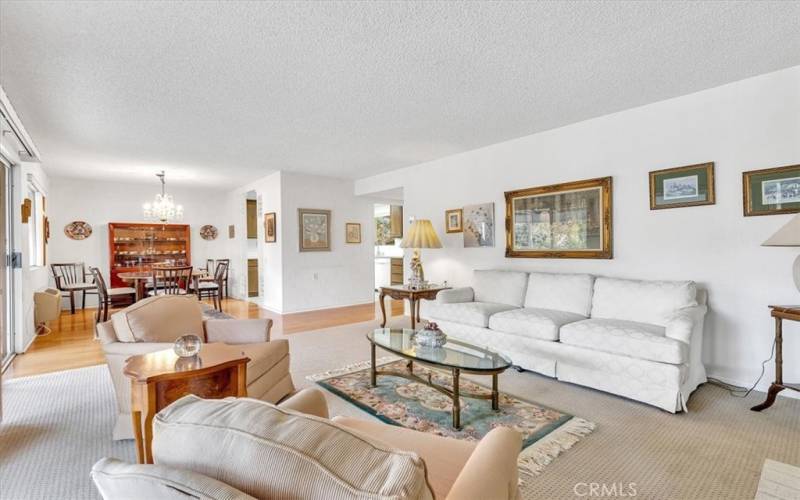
pixel 637 339
pixel 242 449
pixel 153 324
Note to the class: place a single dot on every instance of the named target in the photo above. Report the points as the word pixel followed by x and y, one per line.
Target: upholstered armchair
pixel 153 324
pixel 237 448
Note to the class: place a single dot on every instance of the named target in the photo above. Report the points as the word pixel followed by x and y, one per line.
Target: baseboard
pixel 340 306
pixel 762 386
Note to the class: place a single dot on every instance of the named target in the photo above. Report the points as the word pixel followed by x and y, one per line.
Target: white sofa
pixel 638 339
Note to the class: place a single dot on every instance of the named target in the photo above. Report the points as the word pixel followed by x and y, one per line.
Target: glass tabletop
pixel 453 354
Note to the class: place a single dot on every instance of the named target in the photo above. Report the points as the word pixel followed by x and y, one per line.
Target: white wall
pixel 100 202
pixel 345 275
pixel 746 125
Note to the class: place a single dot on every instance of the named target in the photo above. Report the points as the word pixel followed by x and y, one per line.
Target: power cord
pixel 743 392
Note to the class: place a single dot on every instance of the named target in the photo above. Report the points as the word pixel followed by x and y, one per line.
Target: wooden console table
pixel 780 313
pixel 403 292
pixel 159 378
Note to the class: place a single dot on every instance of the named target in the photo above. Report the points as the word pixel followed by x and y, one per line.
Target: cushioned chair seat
pixel 542 324
pixel 445 457
pixel 153 293
pixel 121 291
pixel 78 286
pixel 629 338
pixel 468 313
pixel 207 285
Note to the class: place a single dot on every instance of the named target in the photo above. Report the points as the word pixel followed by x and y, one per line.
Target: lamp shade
pixel 787 236
pixel 421 235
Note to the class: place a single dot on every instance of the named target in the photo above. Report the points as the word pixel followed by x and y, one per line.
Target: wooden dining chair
pixel 227 262
pixel 171 280
pixel 109 297
pixel 71 277
pixel 213 289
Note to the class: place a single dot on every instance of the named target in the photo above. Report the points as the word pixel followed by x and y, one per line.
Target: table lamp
pixel 788 236
pixel 419 235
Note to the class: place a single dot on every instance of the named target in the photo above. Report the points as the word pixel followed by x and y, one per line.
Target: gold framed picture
pixel 570 220
pixel 315 230
pixel 231 231
pixel 771 191
pixel 353 232
pixel 454 220
pixel 270 228
pixel 688 186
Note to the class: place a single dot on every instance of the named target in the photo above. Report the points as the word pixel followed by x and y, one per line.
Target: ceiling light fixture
pixel 163 208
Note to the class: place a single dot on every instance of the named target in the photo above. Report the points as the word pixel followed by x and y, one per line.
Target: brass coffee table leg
pixel 495 394
pixel 456 400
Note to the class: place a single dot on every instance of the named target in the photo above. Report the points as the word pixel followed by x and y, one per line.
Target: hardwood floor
pixel 71 343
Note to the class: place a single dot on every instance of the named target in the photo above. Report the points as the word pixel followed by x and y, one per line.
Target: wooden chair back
pixel 172 280
pixel 220 272
pixel 227 267
pixel 102 289
pixel 68 273
pixel 210 265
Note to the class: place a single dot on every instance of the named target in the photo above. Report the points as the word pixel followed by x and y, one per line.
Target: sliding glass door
pixel 6 293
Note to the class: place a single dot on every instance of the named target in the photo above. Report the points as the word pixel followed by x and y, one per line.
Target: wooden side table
pixel 414 296
pixel 159 378
pixel 780 313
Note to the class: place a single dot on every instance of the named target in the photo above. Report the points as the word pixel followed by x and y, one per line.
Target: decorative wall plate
pixel 78 230
pixel 208 232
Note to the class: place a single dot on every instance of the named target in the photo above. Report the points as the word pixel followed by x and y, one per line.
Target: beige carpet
pixel 716 451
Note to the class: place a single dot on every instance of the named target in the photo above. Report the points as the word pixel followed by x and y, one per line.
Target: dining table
pixel 141 278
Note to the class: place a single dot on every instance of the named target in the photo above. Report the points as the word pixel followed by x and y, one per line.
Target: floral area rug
pixel 546 432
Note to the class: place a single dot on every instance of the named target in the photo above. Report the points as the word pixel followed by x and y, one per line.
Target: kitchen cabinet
pixel 252 219
pixel 396 221
pixel 252 277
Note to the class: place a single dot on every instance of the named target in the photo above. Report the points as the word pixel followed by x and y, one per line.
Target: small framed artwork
pixel 772 191
pixel 687 186
pixel 270 228
pixel 315 230
pixel 353 232
pixel 479 225
pixel 453 220
pixel 231 232
pixel 570 220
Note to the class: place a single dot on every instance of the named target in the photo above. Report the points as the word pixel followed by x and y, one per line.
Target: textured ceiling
pixel 219 94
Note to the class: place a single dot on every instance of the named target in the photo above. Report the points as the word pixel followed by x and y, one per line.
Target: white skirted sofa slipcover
pixel 637 339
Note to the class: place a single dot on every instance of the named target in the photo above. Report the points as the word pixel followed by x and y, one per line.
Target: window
pixel 36 228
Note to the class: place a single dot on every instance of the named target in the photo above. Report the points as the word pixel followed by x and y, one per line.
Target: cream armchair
pixel 454 469
pixel 153 324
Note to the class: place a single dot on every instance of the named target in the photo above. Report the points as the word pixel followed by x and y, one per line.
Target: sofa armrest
pixel 491 470
pixel 238 331
pixel 310 401
pixel 455 295
pixel 681 323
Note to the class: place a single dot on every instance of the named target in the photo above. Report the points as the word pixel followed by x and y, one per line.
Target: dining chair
pixel 213 289
pixel 210 265
pixel 71 277
pixel 227 262
pixel 171 280
pixel 106 296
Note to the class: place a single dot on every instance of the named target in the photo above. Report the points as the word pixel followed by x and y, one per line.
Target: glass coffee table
pixel 455 356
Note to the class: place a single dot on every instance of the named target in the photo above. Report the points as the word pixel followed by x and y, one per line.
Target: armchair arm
pixel 491 470
pixel 681 323
pixel 310 401
pixel 455 295
pixel 238 331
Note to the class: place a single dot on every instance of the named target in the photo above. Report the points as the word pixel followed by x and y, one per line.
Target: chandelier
pixel 163 208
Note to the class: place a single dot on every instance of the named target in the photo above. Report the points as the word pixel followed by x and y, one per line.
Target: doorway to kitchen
pixel 388 254
pixel 254 286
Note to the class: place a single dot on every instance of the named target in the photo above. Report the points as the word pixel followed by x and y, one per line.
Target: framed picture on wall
pixel 570 220
pixel 479 225
pixel 772 191
pixel 687 186
pixel 453 222
pixel 270 228
pixel 353 232
pixel 315 230
pixel 231 231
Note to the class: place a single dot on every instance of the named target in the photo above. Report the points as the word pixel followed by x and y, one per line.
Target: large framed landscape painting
pixel 772 191
pixel 315 230
pixel 688 186
pixel 570 220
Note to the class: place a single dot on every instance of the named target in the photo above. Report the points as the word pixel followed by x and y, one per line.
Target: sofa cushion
pixel 643 301
pixel 269 452
pixel 159 319
pixel 263 356
pixel 628 338
pixel 542 324
pixel 468 313
pixel 116 479
pixel 500 287
pixel 560 292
